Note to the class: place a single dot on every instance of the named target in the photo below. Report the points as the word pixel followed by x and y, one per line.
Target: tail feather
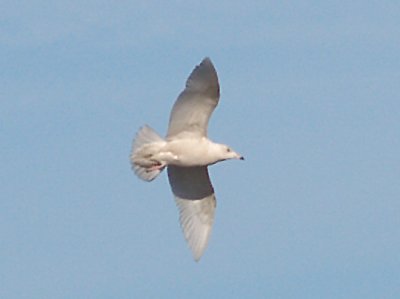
pixel 146 143
pixel 145 135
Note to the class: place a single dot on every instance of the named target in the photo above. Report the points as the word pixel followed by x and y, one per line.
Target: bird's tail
pixel 146 144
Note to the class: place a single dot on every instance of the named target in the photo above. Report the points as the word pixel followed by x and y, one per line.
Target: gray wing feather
pixel 194 196
pixel 194 106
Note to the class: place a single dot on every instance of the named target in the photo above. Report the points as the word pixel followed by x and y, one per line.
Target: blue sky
pixel 309 95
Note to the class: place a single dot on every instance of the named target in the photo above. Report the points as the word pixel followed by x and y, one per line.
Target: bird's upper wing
pixel 194 106
pixel 194 196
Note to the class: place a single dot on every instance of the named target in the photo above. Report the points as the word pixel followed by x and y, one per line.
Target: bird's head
pixel 225 152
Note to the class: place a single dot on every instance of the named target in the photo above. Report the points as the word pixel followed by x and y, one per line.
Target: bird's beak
pixel 239 157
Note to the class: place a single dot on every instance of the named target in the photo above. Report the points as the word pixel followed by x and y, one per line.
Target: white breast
pixel 191 152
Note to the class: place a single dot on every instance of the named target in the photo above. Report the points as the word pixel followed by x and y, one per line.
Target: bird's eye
pixel 228 149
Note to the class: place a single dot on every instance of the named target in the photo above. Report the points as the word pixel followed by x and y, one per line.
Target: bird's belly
pixel 188 160
pixel 189 153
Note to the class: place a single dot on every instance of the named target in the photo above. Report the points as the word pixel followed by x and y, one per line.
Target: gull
pixel 187 152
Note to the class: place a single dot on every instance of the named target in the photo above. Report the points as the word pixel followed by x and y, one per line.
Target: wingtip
pixel 196 258
pixel 206 59
pixel 197 255
pixel 204 79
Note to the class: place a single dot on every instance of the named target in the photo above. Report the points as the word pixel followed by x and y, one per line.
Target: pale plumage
pixel 187 152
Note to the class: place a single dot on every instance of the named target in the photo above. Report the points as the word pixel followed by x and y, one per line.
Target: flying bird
pixel 186 152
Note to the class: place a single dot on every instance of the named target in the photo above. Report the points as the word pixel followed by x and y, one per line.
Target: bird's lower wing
pixel 194 196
